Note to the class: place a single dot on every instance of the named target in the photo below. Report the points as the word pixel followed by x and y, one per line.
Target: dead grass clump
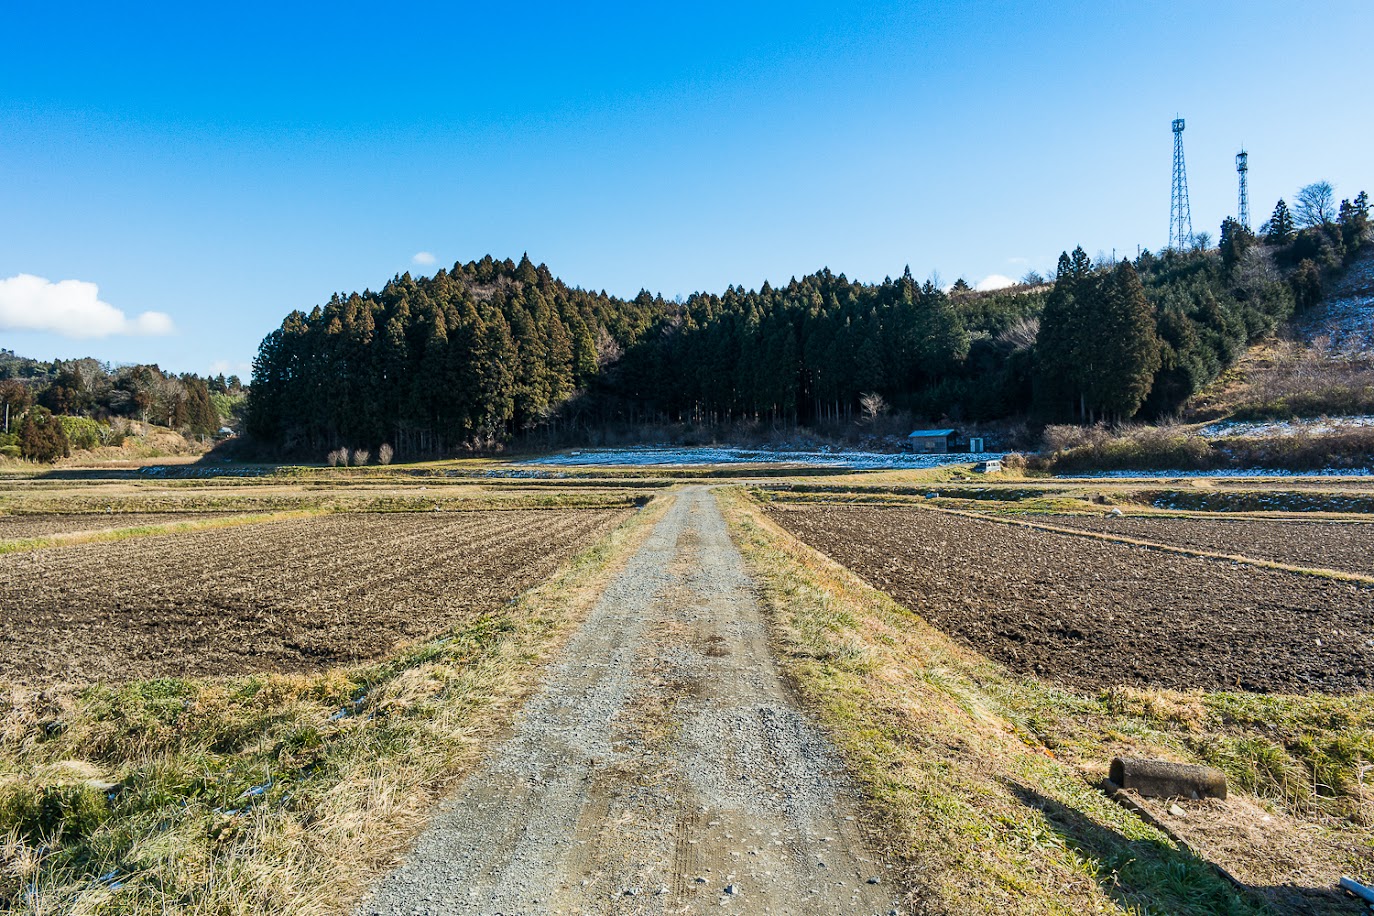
pixel 1069 449
pixel 1183 710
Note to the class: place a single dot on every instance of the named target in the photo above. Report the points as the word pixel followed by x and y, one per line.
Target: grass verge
pixel 271 793
pixel 980 781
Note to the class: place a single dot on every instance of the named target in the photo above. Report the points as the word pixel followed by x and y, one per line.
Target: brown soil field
pixel 45 524
pixel 1094 614
pixel 275 596
pixel 1343 546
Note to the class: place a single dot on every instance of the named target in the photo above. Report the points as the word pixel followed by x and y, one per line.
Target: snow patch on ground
pixel 702 455
pixel 1228 472
pixel 1283 427
pixel 1346 318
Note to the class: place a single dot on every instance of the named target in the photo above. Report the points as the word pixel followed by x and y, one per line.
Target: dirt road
pixel 661 769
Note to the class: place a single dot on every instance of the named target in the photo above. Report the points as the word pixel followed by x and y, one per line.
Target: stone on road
pixel 662 767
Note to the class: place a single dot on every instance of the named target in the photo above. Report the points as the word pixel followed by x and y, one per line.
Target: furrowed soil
pixel 46 524
pixel 1342 546
pixel 1094 614
pixel 275 596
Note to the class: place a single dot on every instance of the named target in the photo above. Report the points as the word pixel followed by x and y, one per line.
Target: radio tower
pixel 1180 217
pixel 1242 169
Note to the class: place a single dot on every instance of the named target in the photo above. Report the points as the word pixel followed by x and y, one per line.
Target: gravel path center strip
pixel 661 769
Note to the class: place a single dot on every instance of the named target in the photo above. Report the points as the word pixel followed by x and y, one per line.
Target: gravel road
pixel 662 768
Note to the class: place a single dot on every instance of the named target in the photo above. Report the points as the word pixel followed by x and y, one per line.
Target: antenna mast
pixel 1243 169
pixel 1180 217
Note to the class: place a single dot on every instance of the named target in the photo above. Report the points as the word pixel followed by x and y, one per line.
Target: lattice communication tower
pixel 1243 170
pixel 1180 217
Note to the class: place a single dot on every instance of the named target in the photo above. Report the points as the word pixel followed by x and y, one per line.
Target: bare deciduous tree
pixel 1021 335
pixel 338 457
pixel 608 351
pixel 873 405
pixel 361 456
pixel 384 454
pixel 1315 205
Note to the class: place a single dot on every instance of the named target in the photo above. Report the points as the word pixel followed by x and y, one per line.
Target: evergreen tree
pixel 41 437
pixel 1279 229
pixel 1127 349
pixel 1235 241
pixel 1059 377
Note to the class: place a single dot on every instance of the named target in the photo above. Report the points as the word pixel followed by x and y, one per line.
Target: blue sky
pixel 208 168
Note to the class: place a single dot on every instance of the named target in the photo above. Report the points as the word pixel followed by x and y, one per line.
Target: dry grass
pixel 256 497
pixel 111 531
pixel 267 793
pixel 1286 378
pixel 981 781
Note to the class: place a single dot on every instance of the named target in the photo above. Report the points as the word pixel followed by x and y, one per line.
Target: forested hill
pixel 490 348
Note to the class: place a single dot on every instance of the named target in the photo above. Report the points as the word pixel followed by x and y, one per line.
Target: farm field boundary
pixel 272 792
pixel 102 535
pixel 979 779
pixel 1345 544
pixel 1019 516
pixel 1156 545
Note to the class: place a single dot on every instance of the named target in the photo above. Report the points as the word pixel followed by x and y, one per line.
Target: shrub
pixel 41 437
pixel 1015 461
pixel 41 814
pixel 84 433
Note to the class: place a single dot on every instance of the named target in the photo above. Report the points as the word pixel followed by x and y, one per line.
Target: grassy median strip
pixel 271 793
pixel 957 756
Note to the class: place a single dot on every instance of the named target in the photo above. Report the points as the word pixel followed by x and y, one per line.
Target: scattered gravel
pixel 662 752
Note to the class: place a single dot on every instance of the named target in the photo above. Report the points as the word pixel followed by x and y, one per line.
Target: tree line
pixel 49 408
pixel 487 350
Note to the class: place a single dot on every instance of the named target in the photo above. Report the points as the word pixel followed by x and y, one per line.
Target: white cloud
pixel 224 367
pixel 71 308
pixel 994 281
pixel 423 258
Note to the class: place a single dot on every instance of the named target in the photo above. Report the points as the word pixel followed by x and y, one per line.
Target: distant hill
pixel 21 367
pixel 1320 364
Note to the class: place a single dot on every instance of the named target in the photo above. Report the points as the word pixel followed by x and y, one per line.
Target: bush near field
pixel 1071 449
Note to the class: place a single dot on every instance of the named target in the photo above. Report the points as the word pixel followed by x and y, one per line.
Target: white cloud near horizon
pixel 994 281
pixel 71 308
pixel 423 258
pixel 224 367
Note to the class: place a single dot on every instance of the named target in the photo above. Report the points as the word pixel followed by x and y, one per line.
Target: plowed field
pixel 1092 614
pixel 45 524
pixel 276 596
pixel 1345 546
